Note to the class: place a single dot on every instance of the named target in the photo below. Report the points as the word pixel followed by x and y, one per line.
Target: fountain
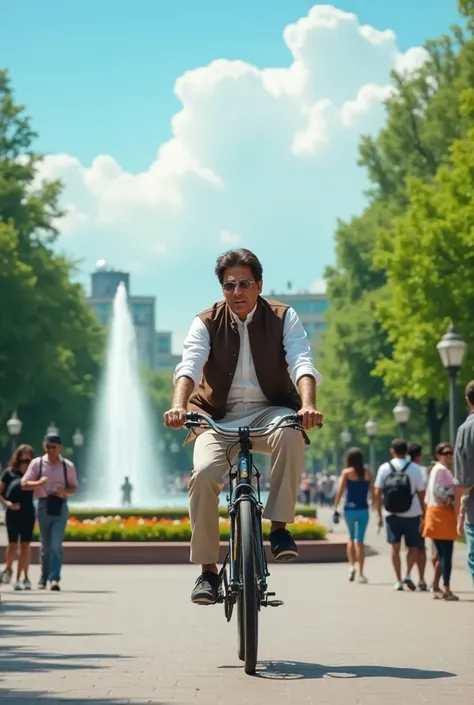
pixel 124 441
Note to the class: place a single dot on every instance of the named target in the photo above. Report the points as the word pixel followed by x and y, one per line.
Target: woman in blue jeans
pixel 356 484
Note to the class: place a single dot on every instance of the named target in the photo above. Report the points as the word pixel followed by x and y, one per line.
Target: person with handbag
pixel 440 517
pixel 53 479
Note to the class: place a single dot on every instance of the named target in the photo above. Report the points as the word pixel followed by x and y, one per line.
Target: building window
pixel 310 306
pixel 163 344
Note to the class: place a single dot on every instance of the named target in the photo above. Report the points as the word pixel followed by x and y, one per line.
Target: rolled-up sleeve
pixel 195 353
pixel 297 349
pixel 464 456
pixel 72 476
pixel 32 472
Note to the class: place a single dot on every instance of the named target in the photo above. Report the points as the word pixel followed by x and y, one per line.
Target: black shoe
pixel 55 587
pixel 410 584
pixel 283 546
pixel 206 589
pixel 42 584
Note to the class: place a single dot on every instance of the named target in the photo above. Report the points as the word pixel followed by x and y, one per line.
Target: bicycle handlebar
pixel 194 419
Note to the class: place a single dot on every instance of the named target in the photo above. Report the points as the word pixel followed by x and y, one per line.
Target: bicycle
pixel 244 573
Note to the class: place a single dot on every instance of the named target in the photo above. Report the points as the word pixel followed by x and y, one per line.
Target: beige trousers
pixel 286 446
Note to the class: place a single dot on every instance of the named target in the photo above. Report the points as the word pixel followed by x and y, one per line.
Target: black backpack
pixel 397 494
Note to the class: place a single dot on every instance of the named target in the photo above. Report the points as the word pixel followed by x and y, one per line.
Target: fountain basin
pixel 330 550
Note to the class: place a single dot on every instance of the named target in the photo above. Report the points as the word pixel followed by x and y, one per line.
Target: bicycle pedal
pixel 274 603
pixel 271 594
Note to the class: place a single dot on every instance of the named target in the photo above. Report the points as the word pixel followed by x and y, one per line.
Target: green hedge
pixel 164 513
pixel 112 531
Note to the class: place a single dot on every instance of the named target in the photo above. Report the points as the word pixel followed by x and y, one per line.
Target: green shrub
pixel 164 513
pixel 115 531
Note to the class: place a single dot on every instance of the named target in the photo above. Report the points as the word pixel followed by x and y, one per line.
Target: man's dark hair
pixel 399 446
pixel 470 392
pixel 239 258
pixel 415 450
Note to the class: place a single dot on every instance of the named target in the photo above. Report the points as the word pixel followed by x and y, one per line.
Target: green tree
pixel 423 118
pixel 428 256
pixel 50 343
pixel 160 389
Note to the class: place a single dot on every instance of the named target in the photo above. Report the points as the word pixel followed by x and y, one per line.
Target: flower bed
pixel 164 513
pixel 116 528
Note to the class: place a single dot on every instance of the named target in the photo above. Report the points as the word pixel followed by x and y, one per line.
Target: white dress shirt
pixel 245 387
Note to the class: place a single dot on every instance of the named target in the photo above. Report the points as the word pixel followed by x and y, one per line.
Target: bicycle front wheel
pixel 247 606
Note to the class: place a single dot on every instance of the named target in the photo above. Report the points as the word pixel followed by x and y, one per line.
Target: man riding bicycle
pixel 246 362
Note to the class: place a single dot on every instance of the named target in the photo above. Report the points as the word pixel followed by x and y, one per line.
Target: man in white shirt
pixel 399 496
pixel 246 361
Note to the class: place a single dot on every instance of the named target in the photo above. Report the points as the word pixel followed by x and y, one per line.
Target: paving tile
pixel 129 634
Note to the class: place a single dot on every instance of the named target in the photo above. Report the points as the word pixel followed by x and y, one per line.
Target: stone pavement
pixel 121 635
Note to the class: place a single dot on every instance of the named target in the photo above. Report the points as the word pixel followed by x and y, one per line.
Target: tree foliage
pixel 423 119
pixel 428 256
pixel 50 343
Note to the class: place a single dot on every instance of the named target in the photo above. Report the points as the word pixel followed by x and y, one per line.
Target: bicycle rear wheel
pixel 247 604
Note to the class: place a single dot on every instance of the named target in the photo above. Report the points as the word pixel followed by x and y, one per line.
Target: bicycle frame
pixel 242 489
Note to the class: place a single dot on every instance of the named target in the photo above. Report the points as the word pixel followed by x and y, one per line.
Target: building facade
pixel 311 308
pixel 164 358
pixel 154 348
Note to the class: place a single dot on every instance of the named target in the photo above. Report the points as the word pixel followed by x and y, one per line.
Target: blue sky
pixel 268 164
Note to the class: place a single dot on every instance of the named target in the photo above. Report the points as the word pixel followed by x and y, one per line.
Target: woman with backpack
pixel 19 517
pixel 440 523
pixel 356 483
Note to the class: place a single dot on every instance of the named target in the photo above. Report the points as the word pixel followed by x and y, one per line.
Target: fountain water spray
pixel 124 442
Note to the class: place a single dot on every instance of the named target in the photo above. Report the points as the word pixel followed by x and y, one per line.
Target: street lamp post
pixel 78 442
pixel 52 429
pixel 452 349
pixel 346 437
pixel 371 430
pixel 14 426
pixel 401 413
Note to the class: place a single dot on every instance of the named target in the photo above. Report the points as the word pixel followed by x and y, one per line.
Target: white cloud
pixel 228 238
pixel 271 151
pixel 318 287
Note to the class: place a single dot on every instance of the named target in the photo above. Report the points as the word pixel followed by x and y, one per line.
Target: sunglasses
pixel 241 283
pixel 446 452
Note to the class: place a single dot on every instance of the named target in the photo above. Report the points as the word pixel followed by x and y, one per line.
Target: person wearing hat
pixel 53 479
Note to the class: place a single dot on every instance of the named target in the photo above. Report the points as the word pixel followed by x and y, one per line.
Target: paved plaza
pixel 130 635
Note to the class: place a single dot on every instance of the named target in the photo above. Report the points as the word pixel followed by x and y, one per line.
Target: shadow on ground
pixel 300 670
pixel 18 657
pixel 9 697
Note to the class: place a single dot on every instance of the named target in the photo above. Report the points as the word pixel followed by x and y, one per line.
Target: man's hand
pixel 13 506
pixel 460 526
pixel 175 417
pixel 310 417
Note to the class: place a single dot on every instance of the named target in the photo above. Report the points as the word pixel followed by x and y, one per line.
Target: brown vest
pixel 266 345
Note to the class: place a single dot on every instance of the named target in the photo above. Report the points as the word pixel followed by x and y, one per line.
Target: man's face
pixel 241 291
pixel 53 451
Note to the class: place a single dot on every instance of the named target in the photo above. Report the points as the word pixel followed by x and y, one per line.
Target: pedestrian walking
pixel 53 479
pixel 19 518
pixel 464 477
pixel 415 452
pixel 356 485
pixel 440 517
pixel 399 496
